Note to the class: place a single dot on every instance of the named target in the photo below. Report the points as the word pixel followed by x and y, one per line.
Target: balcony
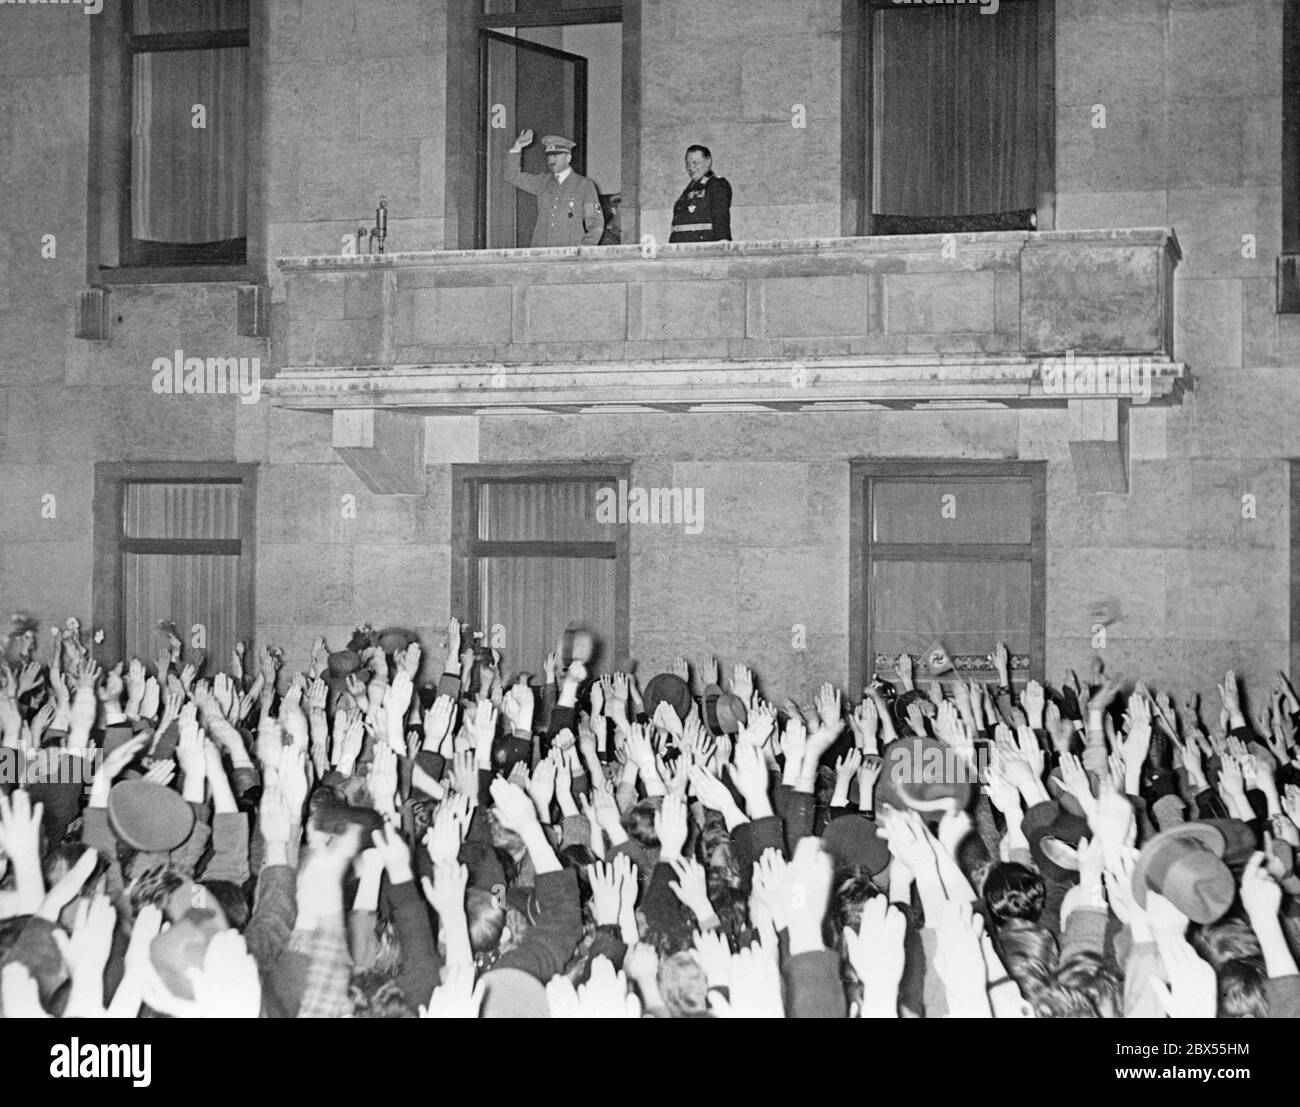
pixel 949 321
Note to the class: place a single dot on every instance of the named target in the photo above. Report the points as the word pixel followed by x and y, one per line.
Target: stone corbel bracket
pixel 384 448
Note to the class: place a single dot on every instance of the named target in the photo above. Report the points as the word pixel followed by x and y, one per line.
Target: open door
pixel 524 85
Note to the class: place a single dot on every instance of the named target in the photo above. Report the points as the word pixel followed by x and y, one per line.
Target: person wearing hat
pixel 702 212
pixel 568 208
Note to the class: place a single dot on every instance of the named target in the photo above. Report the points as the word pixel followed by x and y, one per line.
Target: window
pixel 950 553
pixel 533 560
pixel 174 543
pixel 956 130
pixel 175 126
pixel 567 67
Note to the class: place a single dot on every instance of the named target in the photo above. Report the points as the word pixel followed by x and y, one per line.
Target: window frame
pixel 110 540
pixel 467 547
pixel 466 164
pixel 856 137
pixel 863 551
pixel 109 170
pixel 1288 262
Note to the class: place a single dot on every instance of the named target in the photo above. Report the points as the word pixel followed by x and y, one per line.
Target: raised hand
pixel 755 987
pixel 809 875
pixel 604 996
pixel 864 722
pixel 86 954
pixel 1033 701
pixel 1231 698
pixel 742 682
pixel 904 671
pixel 1192 991
pixel 769 899
pixel 691 887
pixel 829 703
pixel 513 807
pixel 438 723
pixel 228 986
pixel 714 956
pixel 959 960
pixel 483 730
pixel 875 951
pixel 541 788
pixel 846 768
pixel 749 774
pixel 459 996
pixel 671 828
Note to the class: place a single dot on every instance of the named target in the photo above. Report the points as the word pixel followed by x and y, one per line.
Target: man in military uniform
pixel 568 209
pixel 702 212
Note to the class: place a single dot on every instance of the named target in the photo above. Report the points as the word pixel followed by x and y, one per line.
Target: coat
pixel 568 212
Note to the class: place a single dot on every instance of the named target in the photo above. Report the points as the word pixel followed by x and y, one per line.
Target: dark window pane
pixel 526 603
pixel 181 511
pixel 188 184
pixel 967 605
pixel 952 511
pixel 170 17
pixel 954 102
pixel 191 590
pixel 550 511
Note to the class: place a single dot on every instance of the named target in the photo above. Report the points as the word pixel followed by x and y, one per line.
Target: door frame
pixel 486 37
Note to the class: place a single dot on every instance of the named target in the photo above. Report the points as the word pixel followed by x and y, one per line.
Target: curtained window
pixel 535 561
pixel 954 117
pixel 950 553
pixel 174 547
pixel 187 188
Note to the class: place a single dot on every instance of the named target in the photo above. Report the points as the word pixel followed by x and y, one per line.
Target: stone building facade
pixel 770 372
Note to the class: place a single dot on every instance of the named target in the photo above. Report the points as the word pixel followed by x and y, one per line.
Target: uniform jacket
pixel 703 211
pixel 568 213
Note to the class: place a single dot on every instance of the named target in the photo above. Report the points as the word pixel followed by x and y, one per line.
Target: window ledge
pixel 179 274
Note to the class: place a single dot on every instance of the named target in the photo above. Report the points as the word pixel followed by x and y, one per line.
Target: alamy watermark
pixel 179 375
pixel 932 764
pixel 22 768
pixel 675 506
pixel 1108 375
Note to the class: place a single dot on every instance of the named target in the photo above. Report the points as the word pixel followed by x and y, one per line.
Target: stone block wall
pixel 355 108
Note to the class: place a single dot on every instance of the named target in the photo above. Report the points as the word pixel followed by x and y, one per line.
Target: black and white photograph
pixel 652 509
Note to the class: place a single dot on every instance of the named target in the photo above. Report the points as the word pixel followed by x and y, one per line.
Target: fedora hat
pixel 342 664
pixel 724 713
pixel 393 639
pixel 1185 865
pixel 668 688
pixel 923 774
pixel 1049 825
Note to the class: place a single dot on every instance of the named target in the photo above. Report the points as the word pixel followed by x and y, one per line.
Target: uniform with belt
pixel 703 211
pixel 568 211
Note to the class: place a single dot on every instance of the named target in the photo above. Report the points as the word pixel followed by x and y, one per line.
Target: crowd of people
pixel 397 834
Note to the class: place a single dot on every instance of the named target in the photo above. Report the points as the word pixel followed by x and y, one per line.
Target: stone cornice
pixel 813 384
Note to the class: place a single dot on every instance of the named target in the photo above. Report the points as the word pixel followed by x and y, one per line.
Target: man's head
pixel 698 161
pixel 559 153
